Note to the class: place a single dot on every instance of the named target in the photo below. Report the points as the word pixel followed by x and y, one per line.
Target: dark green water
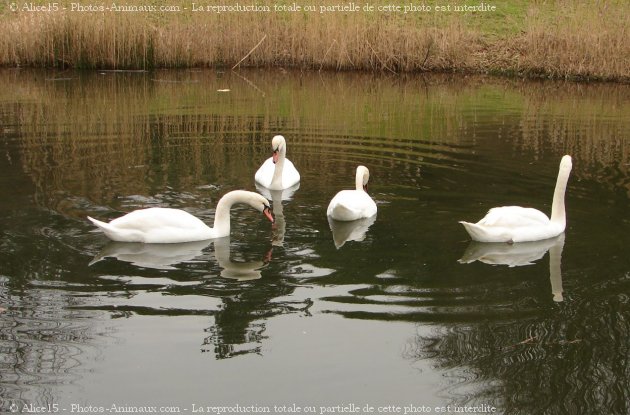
pixel 279 315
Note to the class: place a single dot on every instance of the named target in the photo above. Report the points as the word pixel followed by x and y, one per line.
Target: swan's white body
pixel 355 204
pixel 518 224
pixel 277 172
pixel 165 225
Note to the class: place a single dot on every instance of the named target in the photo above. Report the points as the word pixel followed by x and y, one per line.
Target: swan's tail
pixel 343 213
pixel 482 233
pixel 119 234
pixel 474 230
pixel 107 229
pixel 102 225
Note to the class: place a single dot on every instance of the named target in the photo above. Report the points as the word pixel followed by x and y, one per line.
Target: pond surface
pixel 411 314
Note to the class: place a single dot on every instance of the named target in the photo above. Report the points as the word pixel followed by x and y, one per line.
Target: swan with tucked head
pixel 517 224
pixel 277 172
pixel 166 225
pixel 355 204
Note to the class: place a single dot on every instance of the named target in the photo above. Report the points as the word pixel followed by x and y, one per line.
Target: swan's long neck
pixel 358 180
pixel 277 172
pixel 558 214
pixel 222 214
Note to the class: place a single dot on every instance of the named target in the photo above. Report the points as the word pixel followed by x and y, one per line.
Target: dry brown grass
pixel 557 39
pixel 72 40
pixel 586 40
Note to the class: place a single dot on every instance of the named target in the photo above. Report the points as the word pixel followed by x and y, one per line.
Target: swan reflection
pixel 349 231
pixel 167 256
pixel 237 270
pixel 156 256
pixel 520 254
pixel 284 194
pixel 277 196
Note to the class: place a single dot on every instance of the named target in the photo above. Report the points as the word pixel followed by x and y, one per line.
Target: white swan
pixel 353 204
pixel 165 225
pixel 277 172
pixel 517 224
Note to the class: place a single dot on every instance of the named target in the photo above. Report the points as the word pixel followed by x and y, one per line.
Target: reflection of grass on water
pixel 127 131
pixel 575 39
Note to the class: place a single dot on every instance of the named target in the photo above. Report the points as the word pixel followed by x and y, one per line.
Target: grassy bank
pixel 558 39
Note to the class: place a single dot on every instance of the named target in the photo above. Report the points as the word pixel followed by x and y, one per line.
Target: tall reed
pixel 585 40
pixel 557 39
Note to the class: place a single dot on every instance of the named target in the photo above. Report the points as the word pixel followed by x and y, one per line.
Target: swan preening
pixel 355 204
pixel 165 225
pixel 277 172
pixel 518 224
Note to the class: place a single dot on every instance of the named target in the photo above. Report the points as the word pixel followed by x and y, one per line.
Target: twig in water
pixel 250 83
pixel 529 340
pixel 250 52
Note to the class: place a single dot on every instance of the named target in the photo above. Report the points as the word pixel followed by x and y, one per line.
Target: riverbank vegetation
pixel 556 39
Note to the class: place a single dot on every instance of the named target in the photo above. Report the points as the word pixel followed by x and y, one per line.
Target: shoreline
pixel 576 41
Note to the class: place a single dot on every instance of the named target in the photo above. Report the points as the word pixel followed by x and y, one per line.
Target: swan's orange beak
pixel 267 212
pixel 275 156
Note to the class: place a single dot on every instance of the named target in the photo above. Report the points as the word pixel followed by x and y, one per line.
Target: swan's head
pixel 362 178
pixel 566 164
pixel 261 204
pixel 278 145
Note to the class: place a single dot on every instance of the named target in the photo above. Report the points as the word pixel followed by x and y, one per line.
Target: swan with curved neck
pixel 277 172
pixel 517 224
pixel 355 204
pixel 166 225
